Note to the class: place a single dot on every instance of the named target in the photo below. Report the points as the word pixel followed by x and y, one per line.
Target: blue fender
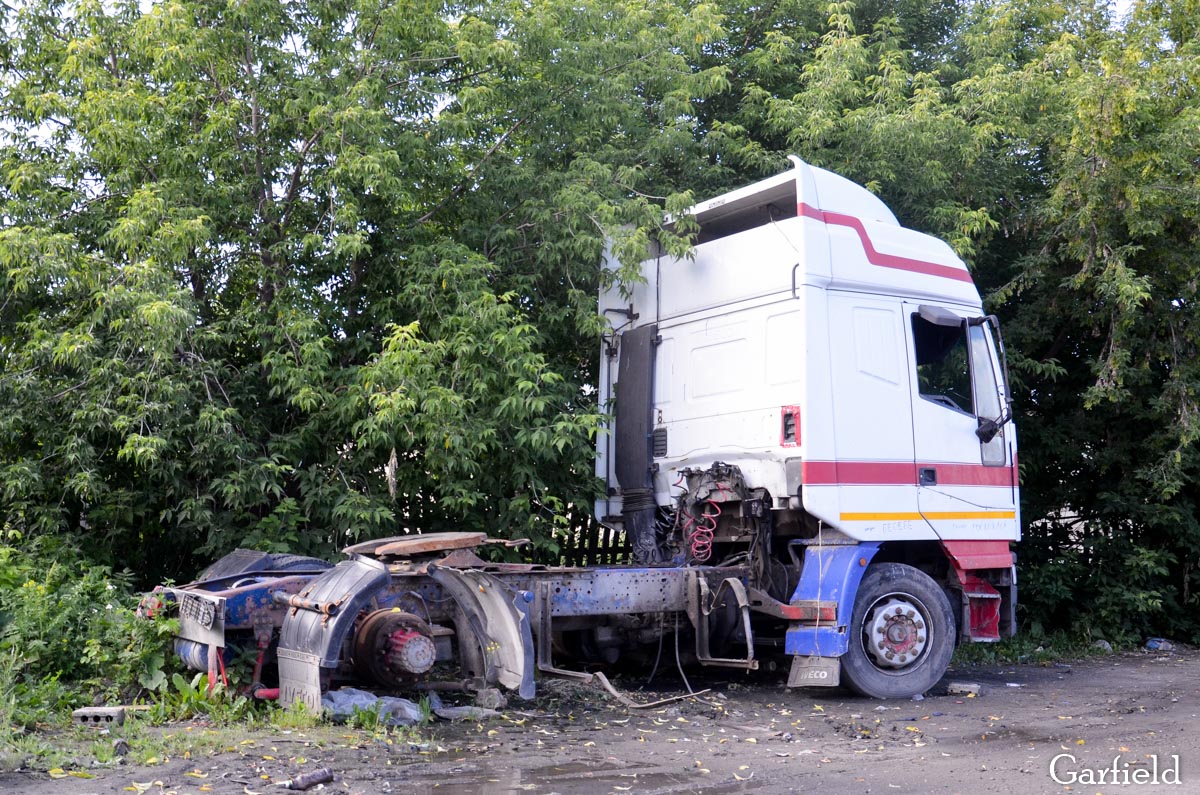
pixel 829 574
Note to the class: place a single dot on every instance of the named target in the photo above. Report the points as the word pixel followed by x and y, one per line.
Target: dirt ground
pixel 745 735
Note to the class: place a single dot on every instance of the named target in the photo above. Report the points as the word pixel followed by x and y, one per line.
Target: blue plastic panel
pixel 829 574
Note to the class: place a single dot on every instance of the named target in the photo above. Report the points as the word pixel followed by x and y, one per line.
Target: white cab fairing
pixel 793 346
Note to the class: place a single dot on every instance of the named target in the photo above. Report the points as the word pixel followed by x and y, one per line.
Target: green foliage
pixel 1030 647
pixel 69 634
pixel 295 275
pixel 191 698
pixel 294 716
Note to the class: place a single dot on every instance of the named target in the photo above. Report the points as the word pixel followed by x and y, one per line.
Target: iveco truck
pixel 811 457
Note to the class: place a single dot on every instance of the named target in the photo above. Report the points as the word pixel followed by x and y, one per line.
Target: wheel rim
pixel 896 632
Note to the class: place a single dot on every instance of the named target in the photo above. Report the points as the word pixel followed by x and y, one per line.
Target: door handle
pixel 927 476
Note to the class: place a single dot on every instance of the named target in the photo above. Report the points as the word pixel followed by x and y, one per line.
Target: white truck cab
pixel 833 370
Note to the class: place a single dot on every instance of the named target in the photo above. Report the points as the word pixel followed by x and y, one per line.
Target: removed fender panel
pixel 499 617
pixel 311 640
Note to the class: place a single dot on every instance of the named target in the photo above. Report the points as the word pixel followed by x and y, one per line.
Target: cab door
pixel 871 410
pixel 963 440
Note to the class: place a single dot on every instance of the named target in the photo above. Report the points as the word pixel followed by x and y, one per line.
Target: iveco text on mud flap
pixel 812 457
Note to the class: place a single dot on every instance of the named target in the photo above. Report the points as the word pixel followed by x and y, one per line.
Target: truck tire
pixel 901 633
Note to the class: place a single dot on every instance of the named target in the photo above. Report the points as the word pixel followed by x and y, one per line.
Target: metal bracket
pixel 545 653
pixel 700 603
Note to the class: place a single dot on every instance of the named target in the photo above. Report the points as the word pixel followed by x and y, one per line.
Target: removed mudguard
pixel 311 638
pixel 499 617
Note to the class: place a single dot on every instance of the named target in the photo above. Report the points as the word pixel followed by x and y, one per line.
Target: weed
pixel 1025 649
pixel 294 716
pixel 368 719
pixel 193 698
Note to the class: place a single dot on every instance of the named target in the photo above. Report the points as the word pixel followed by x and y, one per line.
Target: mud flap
pixel 500 619
pixel 809 671
pixel 317 624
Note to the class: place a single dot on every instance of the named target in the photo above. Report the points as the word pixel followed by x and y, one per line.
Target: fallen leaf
pixel 818 708
pixel 196 774
pixel 743 778
pixel 57 772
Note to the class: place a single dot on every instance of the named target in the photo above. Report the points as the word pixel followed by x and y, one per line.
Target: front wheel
pixel 901 634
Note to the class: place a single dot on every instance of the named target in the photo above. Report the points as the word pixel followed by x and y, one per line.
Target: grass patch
pixel 1024 649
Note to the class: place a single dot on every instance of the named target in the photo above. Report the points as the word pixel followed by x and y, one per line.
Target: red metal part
pixel 392 646
pixel 982 614
pixel 410 652
pixel 984 607
pixel 967 555
pixel 418 544
pixel 823 612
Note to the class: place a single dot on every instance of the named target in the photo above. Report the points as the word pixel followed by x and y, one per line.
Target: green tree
pixel 288 275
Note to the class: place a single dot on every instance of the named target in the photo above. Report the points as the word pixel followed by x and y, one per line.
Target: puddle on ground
pixel 512 774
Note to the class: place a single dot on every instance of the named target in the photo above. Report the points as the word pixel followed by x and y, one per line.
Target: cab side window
pixel 943 373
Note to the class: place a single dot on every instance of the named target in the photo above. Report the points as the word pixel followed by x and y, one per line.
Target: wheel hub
pixel 393 647
pixel 896 634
